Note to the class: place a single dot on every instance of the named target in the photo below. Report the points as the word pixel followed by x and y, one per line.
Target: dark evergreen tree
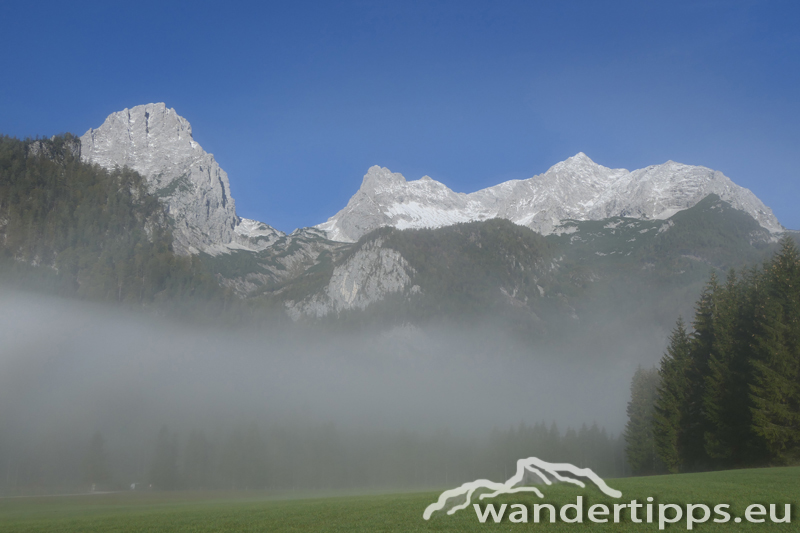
pixel 727 402
pixel 695 419
pixel 671 401
pixel 639 437
pixel 776 358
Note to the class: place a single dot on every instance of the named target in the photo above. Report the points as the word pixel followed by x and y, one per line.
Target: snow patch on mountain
pixel 387 199
pixel 254 235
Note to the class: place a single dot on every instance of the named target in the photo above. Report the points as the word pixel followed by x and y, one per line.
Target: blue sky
pixel 297 100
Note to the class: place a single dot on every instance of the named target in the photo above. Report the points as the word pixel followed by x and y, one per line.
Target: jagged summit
pixel 387 199
pixel 156 142
pixel 577 188
pixel 578 160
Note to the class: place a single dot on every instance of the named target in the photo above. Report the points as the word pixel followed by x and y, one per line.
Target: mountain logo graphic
pixel 546 472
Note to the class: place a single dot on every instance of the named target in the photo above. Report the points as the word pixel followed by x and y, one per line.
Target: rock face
pixel 368 276
pixel 577 188
pixel 156 142
pixel 70 148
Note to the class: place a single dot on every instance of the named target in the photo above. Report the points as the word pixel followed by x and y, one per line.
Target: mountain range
pixel 575 189
pixel 157 143
pixel 556 245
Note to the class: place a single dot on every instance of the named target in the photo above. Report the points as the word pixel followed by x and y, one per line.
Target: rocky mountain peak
pixel 157 143
pixel 380 178
pixel 578 160
pixel 581 168
pixel 387 199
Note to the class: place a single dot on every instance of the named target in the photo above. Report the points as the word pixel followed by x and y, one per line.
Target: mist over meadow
pixel 70 371
pixel 408 358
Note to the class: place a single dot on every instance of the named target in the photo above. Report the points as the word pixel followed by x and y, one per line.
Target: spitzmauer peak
pixel 157 143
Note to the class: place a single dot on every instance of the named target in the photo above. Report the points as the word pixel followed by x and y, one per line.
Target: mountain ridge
pixel 157 142
pixel 493 269
pixel 577 189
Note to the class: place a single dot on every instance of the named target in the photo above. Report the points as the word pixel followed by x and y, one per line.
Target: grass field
pixel 201 512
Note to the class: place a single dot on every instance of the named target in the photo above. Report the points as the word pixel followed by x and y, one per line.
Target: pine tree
pixel 776 358
pixel 694 420
pixel 670 405
pixel 639 437
pixel 726 400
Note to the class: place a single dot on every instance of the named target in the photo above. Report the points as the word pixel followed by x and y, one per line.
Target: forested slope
pixel 727 393
pixel 80 231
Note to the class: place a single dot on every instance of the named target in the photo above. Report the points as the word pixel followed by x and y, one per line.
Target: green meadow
pixel 248 511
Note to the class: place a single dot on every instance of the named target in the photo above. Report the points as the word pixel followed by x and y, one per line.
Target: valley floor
pixel 252 511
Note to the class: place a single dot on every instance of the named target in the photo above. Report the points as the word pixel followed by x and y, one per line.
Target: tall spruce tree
pixel 775 391
pixel 694 420
pixel 670 404
pixel 727 383
pixel 641 446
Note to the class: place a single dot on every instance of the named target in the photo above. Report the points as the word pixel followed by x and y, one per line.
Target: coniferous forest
pixel 727 393
pixel 103 237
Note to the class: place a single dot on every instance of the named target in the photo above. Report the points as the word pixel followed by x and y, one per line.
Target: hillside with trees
pixel 80 231
pixel 728 390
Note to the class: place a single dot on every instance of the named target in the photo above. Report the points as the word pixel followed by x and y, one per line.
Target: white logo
pixel 513 485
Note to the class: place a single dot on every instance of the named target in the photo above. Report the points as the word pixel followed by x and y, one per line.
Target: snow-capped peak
pixel 577 188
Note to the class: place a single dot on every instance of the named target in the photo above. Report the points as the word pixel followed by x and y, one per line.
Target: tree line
pixel 727 392
pixel 290 456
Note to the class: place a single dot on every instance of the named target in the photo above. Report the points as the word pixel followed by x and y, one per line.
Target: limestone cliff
pixel 156 142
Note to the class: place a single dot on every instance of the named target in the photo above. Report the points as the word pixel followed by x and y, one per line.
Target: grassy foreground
pixel 200 512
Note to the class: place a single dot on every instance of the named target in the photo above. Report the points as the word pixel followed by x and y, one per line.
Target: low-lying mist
pixel 70 371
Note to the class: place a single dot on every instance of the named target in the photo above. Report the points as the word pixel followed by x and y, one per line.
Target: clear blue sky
pixel 297 100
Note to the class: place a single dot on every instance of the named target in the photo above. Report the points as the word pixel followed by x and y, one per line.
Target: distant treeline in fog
pixel 292 457
pixel 727 393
